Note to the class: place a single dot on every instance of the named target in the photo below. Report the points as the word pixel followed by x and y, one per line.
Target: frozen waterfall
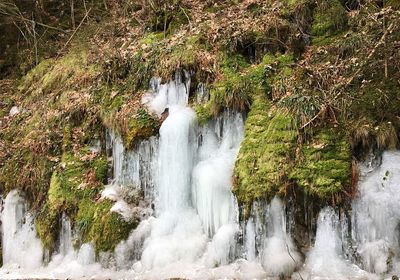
pixel 179 185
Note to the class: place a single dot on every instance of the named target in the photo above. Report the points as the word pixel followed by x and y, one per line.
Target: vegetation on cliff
pixel 319 80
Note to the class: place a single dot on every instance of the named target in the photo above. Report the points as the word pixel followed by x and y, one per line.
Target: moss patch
pixel 126 115
pixel 323 167
pixel 264 158
pixel 97 224
pixel 78 176
pixel 49 101
pixel 235 88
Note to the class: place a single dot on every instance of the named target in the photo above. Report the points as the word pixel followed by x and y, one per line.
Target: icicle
pixel 326 261
pixel 250 239
pixel 65 236
pixel 280 257
pixel 21 246
pixel 175 159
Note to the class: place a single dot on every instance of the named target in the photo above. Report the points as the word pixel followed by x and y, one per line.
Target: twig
pixel 84 5
pixel 183 10
pixel 22 32
pixel 35 41
pixel 385 45
pixel 350 80
pixel 20 17
pixel 313 118
pixel 165 20
pixel 72 14
pixel 290 255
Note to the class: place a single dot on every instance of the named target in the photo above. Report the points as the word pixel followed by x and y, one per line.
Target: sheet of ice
pixel 376 214
pixel 279 256
pixel 325 260
pixel 21 246
pixel 212 175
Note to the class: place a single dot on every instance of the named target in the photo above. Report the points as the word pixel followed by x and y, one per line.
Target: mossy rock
pixel 97 224
pixel 323 167
pixel 126 116
pixel 28 173
pixel 264 159
pixel 48 225
pixel 75 188
pixel 56 75
pixel 142 126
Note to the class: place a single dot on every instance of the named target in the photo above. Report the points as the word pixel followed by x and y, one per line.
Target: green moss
pixel 231 62
pixel 92 219
pixel 185 56
pixel 203 113
pixel 285 59
pixel 278 70
pixel 240 81
pixel 263 162
pixel 186 53
pixel 231 92
pixel 141 126
pixel 48 226
pixel 97 224
pixel 28 172
pixel 111 100
pixel 78 177
pixel 323 168
pixel 36 73
pixel 152 38
pixel 265 157
pixel 56 75
pixel 133 122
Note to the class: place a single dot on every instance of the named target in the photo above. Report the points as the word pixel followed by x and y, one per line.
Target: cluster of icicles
pixel 190 227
